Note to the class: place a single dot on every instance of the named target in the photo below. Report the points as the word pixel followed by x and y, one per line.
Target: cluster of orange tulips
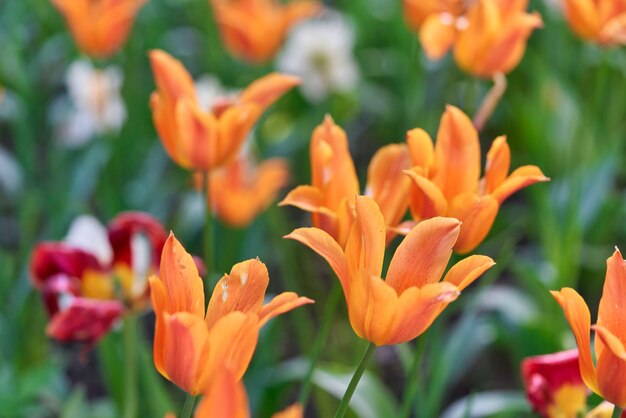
pixel 429 193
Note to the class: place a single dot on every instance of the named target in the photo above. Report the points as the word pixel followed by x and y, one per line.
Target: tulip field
pixel 312 208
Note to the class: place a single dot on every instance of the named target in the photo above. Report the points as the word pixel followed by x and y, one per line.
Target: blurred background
pixel 563 111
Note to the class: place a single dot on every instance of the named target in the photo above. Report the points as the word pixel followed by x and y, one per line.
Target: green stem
pixel 320 341
pixel 413 378
pixel 129 331
pixel 617 412
pixel 208 234
pixel 190 400
pixel 345 401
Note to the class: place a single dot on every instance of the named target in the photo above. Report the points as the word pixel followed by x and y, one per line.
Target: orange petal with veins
pixel 323 244
pixel 463 273
pixel 226 398
pixel 521 177
pixel 579 318
pixel 477 215
pixel 423 255
pixel 365 248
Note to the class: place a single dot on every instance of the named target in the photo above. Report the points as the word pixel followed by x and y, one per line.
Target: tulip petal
pixel 294 411
pixel 421 148
pixel 266 90
pixel 583 17
pixel 197 136
pixel 463 273
pixel 426 199
pixel 423 255
pixel 323 244
pixel 281 304
pixel 614 31
pixel 457 153
pixel 185 350
pixel 365 248
pixel 579 318
pixel 171 77
pixel 232 342
pixel 437 35
pixel 307 198
pixel 52 258
pixel 521 177
pixel 332 168
pixel 242 290
pixel 179 274
pixel 84 320
pixel 613 302
pixel 498 164
pixel 240 191
pixel 418 308
pixel 226 398
pixel 158 296
pixel 235 124
pixel 477 215
pixel 123 229
pixel 372 307
pixel 387 184
pixel 611 367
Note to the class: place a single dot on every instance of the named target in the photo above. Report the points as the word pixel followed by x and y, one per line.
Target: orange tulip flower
pixel 417 11
pixel 335 184
pixel 402 307
pixel 488 36
pixel 446 177
pixel 194 138
pixel 191 346
pixel 99 27
pixel 254 30
pixel 601 21
pixel 240 191
pixel 227 398
pixel 607 377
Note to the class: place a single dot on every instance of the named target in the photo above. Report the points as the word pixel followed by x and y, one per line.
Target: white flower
pixel 88 234
pixel 96 101
pixel 320 52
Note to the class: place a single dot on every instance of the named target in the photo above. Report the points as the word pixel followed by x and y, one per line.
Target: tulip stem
pixel 345 401
pixel 190 400
pixel 491 100
pixel 129 335
pixel 413 377
pixel 320 340
pixel 617 412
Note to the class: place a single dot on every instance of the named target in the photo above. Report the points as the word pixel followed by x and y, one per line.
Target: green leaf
pixel 371 399
pixel 488 404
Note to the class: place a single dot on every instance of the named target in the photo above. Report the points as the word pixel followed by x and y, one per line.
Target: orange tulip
pixel 227 398
pixel 99 27
pixel 240 191
pixel 253 30
pixel 402 307
pixel 417 11
pixel 191 346
pixel 194 138
pixel 488 37
pixel 607 377
pixel 601 21
pixel 335 184
pixel 446 177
